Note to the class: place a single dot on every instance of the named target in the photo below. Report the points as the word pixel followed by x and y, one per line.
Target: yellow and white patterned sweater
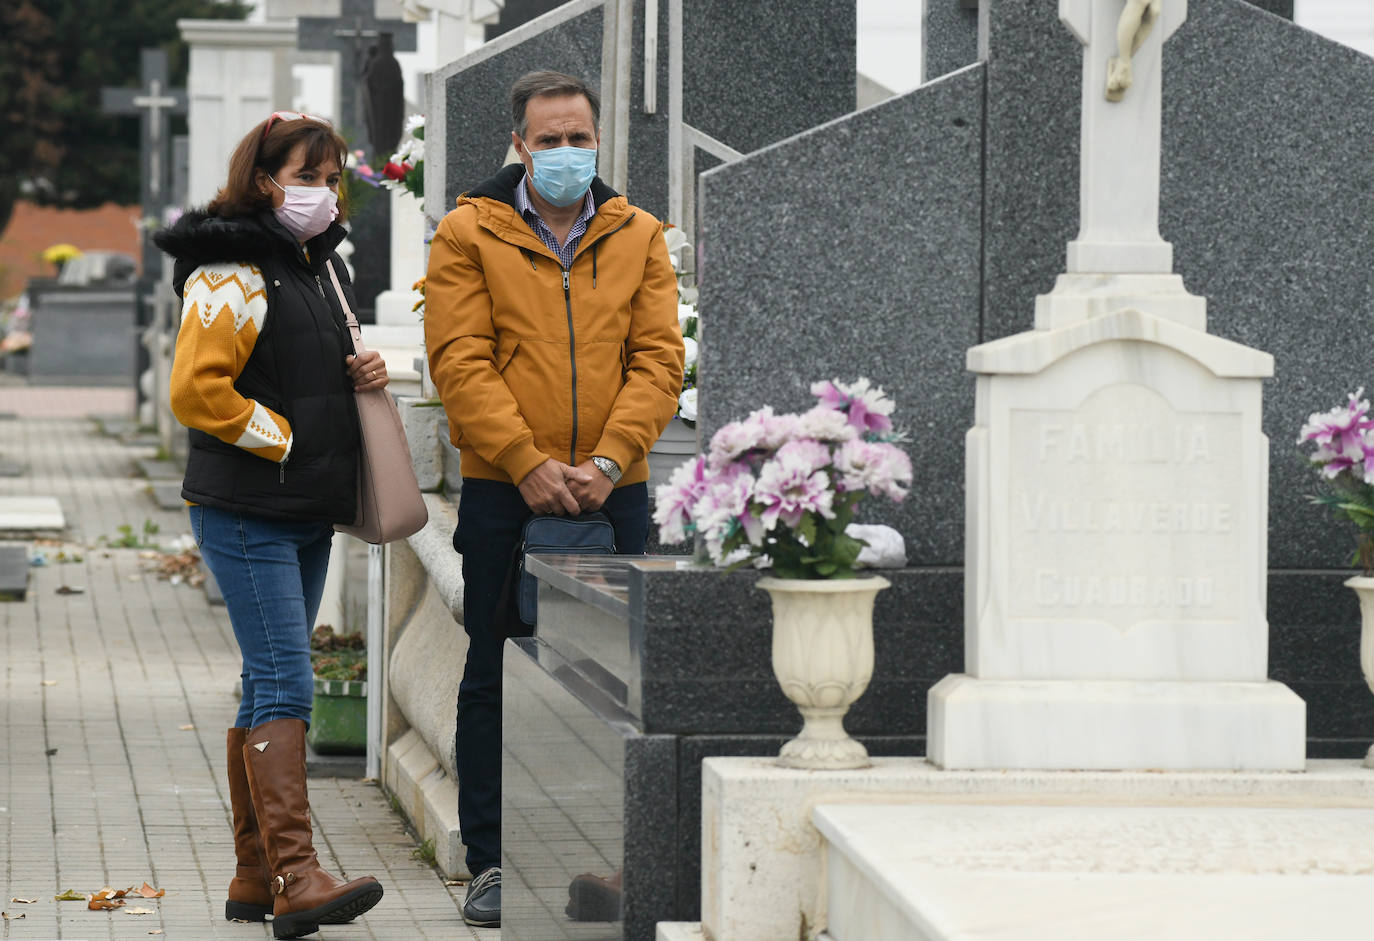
pixel 224 307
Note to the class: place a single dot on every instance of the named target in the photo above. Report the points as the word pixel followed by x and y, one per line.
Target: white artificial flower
pixel 687 404
pixel 684 313
pixel 677 243
pixel 689 347
pixel 414 123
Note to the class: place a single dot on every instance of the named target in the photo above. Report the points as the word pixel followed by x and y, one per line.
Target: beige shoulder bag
pixel 390 505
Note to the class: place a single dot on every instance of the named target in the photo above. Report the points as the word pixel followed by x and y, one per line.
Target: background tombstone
pixel 729 71
pixel 155 102
pixel 349 34
pixel 238 75
pixel 471 96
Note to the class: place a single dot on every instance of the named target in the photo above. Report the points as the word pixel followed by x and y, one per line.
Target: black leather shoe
pixel 482 904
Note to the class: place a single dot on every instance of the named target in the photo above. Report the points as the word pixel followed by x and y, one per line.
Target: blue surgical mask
pixel 562 174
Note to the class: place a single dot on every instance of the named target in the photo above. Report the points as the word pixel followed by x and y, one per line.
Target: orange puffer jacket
pixel 533 362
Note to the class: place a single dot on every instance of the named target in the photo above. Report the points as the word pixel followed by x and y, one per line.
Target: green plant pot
pixel 338 722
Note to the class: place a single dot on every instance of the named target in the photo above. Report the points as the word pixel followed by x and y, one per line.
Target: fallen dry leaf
pixel 156 931
pixel 140 911
pixel 185 728
pixel 70 590
pixel 180 566
pixel 49 683
pixel 71 895
pixel 148 892
pixel 8 917
pixel 97 905
pixel 24 901
pixel 106 892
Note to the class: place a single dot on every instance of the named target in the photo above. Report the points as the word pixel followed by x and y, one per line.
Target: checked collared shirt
pixel 536 222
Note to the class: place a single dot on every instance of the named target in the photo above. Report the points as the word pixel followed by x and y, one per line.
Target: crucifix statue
pixel 1119 181
pixel 357 20
pixel 1137 19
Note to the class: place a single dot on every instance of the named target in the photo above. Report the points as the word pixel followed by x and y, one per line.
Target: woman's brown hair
pixel 268 148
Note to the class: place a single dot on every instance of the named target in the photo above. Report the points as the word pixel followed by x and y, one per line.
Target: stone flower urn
pixel 1364 588
pixel 823 659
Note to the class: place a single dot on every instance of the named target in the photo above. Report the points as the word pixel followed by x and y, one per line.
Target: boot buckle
pixel 280 883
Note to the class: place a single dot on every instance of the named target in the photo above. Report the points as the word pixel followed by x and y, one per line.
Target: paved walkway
pixel 116 687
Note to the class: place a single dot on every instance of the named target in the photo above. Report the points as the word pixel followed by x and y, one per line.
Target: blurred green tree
pixel 56 147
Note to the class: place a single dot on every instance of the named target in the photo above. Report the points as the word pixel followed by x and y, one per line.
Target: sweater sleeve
pixel 224 307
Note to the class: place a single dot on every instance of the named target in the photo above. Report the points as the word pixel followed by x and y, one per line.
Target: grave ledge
pixel 762 853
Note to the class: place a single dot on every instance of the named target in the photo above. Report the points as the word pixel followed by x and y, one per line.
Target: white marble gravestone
pixel 239 74
pixel 1117 496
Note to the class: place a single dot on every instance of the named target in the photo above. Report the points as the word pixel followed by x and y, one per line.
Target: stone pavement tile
pixel 113 705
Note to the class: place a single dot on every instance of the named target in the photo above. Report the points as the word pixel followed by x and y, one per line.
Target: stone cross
pixel 344 34
pixel 155 102
pixel 1119 199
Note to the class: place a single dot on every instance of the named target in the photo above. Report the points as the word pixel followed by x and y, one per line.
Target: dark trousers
pixel 490 516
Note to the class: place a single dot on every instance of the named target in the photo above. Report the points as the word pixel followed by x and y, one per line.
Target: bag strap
pixel 354 330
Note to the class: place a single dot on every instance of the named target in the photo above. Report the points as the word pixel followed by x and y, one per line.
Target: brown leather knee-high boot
pixel 250 897
pixel 306 895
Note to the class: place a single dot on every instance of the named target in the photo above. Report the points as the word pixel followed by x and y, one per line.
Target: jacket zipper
pixel 281 471
pixel 572 337
pixel 572 355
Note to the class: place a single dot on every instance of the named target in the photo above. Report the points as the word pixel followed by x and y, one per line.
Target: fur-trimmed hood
pixel 199 238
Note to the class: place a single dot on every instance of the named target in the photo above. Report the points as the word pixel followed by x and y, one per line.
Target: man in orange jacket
pixel 551 325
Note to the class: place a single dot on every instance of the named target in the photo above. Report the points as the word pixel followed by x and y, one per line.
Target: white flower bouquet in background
pixel 680 252
pixel 785 487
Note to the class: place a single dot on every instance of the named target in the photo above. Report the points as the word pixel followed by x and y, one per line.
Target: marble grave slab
pixel 1090 872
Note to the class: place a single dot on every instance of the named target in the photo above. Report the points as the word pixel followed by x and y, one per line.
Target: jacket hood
pixel 501 187
pixel 199 238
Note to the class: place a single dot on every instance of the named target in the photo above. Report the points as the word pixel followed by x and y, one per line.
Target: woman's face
pixel 295 173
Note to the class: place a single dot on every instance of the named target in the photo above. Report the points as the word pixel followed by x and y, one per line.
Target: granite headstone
pixel 890 291
pixel 475 93
pixel 949 37
pixel 743 83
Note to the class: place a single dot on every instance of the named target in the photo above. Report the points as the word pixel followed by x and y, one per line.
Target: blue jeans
pixel 271 573
pixel 490 516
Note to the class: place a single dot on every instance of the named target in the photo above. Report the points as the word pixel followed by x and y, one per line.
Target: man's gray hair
pixel 538 84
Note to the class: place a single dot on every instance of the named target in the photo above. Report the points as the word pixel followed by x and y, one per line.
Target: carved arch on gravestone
pixel 1036 351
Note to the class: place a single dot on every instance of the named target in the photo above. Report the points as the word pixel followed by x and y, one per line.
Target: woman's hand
pixel 367 371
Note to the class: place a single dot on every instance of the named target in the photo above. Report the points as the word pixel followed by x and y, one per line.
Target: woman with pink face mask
pixel 264 377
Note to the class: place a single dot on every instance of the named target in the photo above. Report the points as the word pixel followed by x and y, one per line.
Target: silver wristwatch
pixel 608 467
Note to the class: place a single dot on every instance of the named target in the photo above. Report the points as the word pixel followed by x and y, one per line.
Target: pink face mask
pixel 307 210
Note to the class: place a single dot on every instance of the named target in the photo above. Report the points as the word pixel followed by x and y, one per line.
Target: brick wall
pixel 33 228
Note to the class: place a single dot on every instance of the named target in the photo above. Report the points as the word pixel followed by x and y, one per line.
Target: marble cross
pixel 1119 182
pixel 155 102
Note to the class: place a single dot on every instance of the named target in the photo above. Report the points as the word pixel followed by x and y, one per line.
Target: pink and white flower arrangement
pixel 783 487
pixel 1344 456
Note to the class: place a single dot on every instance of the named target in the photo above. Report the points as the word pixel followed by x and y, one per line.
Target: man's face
pixel 556 121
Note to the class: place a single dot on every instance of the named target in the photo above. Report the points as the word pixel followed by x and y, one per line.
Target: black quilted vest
pixel 296 369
